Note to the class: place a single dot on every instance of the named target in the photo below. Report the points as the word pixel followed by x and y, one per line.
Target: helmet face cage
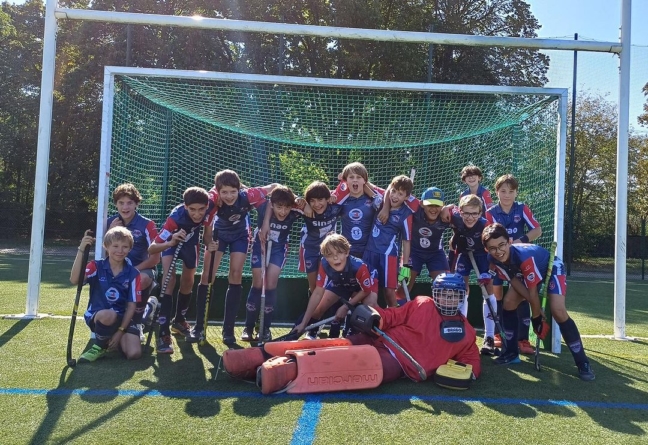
pixel 448 300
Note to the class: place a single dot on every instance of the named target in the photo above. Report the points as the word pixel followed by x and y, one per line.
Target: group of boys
pixel 350 266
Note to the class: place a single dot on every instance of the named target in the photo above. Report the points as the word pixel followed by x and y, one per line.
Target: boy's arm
pixel 487 199
pixel 313 302
pixel 406 252
pixel 383 215
pixel 530 294
pixel 265 226
pixel 87 240
pixel 160 245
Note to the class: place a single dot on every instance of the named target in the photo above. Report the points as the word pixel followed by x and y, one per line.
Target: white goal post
pixel 53 13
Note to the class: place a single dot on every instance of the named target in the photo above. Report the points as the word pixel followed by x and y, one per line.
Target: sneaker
pixel 140 328
pixel 498 341
pixel 248 334
pixel 165 345
pixel 180 328
pixel 525 347
pixel 488 346
pixel 311 334
pixel 267 336
pixel 228 338
pixel 94 353
pixel 508 358
pixel 584 372
pixel 93 336
pixel 195 335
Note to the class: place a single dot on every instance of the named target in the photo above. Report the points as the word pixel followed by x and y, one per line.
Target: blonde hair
pixel 334 242
pixel 118 233
pixel 470 201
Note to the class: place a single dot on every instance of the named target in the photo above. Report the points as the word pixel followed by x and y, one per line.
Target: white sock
pixel 489 321
pixel 464 306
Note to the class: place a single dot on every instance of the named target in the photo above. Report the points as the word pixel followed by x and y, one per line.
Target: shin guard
pixel 243 363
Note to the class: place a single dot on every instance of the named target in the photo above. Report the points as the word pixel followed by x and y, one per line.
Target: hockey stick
pixel 264 266
pixel 498 325
pixel 421 372
pixel 84 260
pixel 295 335
pixel 165 283
pixel 545 291
pixel 212 278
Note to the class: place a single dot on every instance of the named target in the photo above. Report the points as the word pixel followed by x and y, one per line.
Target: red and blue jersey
pixel 279 230
pixel 426 237
pixel 317 227
pixel 144 232
pixel 179 219
pixel 108 291
pixel 384 237
pixel 483 194
pixel 354 277
pixel 358 215
pixel 530 263
pixel 233 220
pixel 519 217
pixel 468 238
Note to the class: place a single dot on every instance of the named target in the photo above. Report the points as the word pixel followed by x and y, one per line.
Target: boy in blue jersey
pixel 471 175
pixel 468 225
pixel 391 224
pixel 516 217
pixel 278 216
pixel 525 267
pixel 127 198
pixel 427 238
pixel 320 218
pixel 114 292
pixel 233 204
pixel 183 224
pixel 339 276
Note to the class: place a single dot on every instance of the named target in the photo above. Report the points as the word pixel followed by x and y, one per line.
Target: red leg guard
pixel 276 373
pixel 243 363
pixel 277 348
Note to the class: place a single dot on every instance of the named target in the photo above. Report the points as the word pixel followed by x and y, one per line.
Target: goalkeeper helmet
pixel 448 292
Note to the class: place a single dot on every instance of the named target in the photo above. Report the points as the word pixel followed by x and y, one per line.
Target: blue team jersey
pixel 384 237
pixel 427 237
pixel 519 217
pixel 468 238
pixel 528 262
pixel 279 230
pixel 144 232
pixel 354 277
pixel 358 215
pixel 483 194
pixel 180 219
pixel 234 219
pixel 316 228
pixel 108 291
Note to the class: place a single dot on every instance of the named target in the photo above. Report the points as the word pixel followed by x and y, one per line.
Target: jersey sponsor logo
pixel 112 294
pixel 235 219
pixel 470 242
pixel 136 233
pixel 424 231
pixel 517 218
pixel 102 279
pixel 165 234
pixel 492 273
pixel 278 226
pixel 395 218
pixel 424 242
pixel 512 231
pixel 356 233
pixel 355 214
pixel 375 232
pixel 324 223
pixel 453 330
pixel 531 277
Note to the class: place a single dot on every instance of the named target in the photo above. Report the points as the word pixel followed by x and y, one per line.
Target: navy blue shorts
pixel 464 266
pixel 278 255
pixel 239 242
pixel 433 261
pixel 188 255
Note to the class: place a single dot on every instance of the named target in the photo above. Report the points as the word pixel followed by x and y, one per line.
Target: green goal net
pixel 171 133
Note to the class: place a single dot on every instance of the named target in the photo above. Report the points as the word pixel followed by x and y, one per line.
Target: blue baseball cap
pixel 433 197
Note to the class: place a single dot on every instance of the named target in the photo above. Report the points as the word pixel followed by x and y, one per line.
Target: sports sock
pixel 232 301
pixel 489 322
pixel 103 334
pixel 524 320
pixel 500 309
pixel 510 325
pixel 166 302
pixel 182 306
pixel 271 298
pixel 252 307
pixel 201 302
pixel 464 306
pixel 573 339
pixel 139 307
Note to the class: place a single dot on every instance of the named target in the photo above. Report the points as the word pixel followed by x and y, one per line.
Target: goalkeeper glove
pixel 404 273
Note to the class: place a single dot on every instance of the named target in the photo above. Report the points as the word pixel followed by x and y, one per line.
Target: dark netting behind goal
pixel 169 134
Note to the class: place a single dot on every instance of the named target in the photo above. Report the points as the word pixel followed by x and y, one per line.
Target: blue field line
pixel 338 396
pixel 304 433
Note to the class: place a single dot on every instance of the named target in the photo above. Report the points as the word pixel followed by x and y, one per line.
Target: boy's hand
pixel 113 343
pixel 342 312
pixel 117 222
pixel 308 211
pixel 180 235
pixel 383 215
pixel 540 326
pixel 212 246
pixel 484 279
pixel 300 203
pixel 445 215
pixel 299 328
pixel 87 240
pixel 332 199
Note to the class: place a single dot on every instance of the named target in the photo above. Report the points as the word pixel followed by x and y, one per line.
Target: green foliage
pixel 300 170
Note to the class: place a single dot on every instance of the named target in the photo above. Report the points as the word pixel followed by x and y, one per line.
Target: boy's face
pixel 470 215
pixel 281 211
pixel 506 195
pixel 196 212
pixel 472 180
pixel 318 204
pixel 337 260
pixel 356 184
pixel 228 194
pixel 126 207
pixel 432 212
pixel 397 198
pixel 499 248
pixel 118 250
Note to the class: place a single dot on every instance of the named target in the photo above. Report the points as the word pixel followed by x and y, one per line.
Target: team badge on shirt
pixel 112 294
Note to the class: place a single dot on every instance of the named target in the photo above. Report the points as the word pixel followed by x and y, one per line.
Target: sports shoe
pixel 525 347
pixel 195 335
pixel 181 328
pixel 488 346
pixel 311 334
pixel 585 372
pixel 140 328
pixel 498 341
pixel 267 336
pixel 94 353
pixel 228 337
pixel 165 346
pixel 508 358
pixel 248 334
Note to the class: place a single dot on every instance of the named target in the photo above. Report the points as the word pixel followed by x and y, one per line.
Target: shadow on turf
pixel 14 330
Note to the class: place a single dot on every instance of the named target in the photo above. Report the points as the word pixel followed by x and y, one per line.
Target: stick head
pixel 72 363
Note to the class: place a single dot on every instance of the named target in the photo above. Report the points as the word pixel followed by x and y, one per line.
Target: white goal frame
pixel 53 13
